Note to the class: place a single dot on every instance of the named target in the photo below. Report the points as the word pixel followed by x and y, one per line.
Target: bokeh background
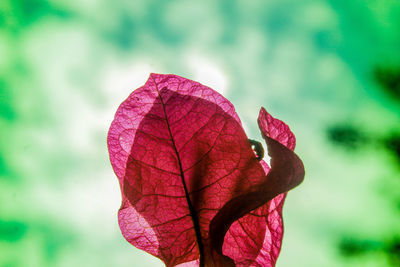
pixel 328 68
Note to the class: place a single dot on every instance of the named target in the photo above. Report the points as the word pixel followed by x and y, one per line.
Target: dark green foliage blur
pixel 347 136
pixel 388 78
pixel 329 68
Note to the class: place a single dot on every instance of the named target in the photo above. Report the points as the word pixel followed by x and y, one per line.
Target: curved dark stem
pixel 287 171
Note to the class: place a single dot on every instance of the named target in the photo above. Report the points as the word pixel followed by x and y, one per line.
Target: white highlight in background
pixel 122 79
pixel 207 72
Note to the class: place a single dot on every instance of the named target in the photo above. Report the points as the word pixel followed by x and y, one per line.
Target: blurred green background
pixel 328 68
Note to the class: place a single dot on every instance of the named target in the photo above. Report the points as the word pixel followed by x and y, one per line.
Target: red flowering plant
pixel 195 190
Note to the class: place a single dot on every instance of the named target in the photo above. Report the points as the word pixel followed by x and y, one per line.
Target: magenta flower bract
pixel 194 192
